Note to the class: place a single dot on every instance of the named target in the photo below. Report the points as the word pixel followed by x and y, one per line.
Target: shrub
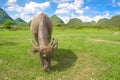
pixel 7 24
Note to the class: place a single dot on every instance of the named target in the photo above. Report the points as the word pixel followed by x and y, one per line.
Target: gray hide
pixel 41 28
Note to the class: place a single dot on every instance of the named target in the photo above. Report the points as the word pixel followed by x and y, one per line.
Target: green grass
pixel 83 54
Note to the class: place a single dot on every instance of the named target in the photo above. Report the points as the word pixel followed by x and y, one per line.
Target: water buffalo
pixel 41 28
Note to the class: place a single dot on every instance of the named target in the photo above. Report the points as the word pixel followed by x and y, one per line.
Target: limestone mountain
pixel 115 21
pixel 104 22
pixel 4 16
pixel 20 22
pixel 56 20
pixel 75 22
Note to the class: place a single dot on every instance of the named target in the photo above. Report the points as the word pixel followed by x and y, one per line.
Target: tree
pixel 7 24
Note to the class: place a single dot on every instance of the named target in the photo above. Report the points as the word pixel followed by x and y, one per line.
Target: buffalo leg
pixel 47 65
pixel 42 59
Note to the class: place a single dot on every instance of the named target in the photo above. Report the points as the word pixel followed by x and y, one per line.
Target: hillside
pixel 4 16
pixel 20 22
pixel 104 22
pixel 75 22
pixel 90 23
pixel 56 20
pixel 115 21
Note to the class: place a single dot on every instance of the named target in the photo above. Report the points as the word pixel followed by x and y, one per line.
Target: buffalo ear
pixel 54 44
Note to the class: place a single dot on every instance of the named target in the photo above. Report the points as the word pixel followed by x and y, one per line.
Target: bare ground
pixel 107 41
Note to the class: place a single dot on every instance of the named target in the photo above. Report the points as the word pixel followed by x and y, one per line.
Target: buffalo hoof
pixel 46 69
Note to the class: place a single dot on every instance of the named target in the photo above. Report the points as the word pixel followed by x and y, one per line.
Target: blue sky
pixel 86 10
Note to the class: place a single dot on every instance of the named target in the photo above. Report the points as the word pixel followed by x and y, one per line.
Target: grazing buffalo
pixel 41 28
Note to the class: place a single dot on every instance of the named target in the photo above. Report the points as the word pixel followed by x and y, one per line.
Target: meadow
pixel 83 54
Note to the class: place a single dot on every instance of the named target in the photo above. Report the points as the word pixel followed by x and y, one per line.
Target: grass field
pixel 85 54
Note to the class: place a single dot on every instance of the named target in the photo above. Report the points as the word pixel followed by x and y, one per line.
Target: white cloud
pixel 25 11
pixel 118 4
pixel 14 7
pixel 61 11
pixel 69 7
pixel 22 16
pixel 74 9
pixel 61 1
pixel 11 1
pixel 87 8
pixel 31 7
pixel 78 3
pixel 63 5
pixel 98 17
pixel 64 18
pixel 85 18
pixel 81 17
pixel 117 13
pixel 115 3
pixel 34 5
pixel 79 11
pixel 66 10
pixel 88 0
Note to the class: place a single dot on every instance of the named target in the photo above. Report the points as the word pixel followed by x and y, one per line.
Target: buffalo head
pixel 46 53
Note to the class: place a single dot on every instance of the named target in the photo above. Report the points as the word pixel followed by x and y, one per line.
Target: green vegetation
pixel 74 23
pixel 20 22
pixel 83 54
pixel 92 23
pixel 115 21
pixel 7 24
pixel 112 23
pixel 56 20
pixel 4 16
pixel 89 53
pixel 104 22
pixel 29 22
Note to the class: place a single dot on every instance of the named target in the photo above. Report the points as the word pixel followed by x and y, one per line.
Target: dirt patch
pixel 107 41
pixel 62 35
pixel 116 33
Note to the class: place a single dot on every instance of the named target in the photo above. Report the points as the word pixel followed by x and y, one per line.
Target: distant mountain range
pixel 20 22
pixel 75 22
pixel 113 22
pixel 56 20
pixel 4 16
